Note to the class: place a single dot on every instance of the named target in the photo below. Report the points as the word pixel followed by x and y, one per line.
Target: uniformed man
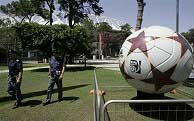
pixel 15 77
pixel 56 71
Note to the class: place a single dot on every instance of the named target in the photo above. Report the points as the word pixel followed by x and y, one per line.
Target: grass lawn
pixel 25 65
pixel 77 104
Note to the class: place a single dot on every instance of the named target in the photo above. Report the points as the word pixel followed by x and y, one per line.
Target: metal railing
pixel 96 99
pixel 158 109
pixel 137 110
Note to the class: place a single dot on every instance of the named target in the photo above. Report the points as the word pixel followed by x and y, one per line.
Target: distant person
pixel 56 71
pixel 15 66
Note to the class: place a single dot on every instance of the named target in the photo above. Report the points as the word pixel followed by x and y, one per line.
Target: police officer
pixel 56 71
pixel 15 77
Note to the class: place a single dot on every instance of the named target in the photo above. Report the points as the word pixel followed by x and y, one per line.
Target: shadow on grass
pixel 164 111
pixel 190 80
pixel 68 69
pixel 188 84
pixel 31 103
pixel 41 70
pixel 71 98
pixel 28 66
pixel 43 92
pixel 74 69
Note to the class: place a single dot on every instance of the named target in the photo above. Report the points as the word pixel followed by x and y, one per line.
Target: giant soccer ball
pixel 155 59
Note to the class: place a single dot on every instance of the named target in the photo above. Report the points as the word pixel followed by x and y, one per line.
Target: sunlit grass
pixel 77 104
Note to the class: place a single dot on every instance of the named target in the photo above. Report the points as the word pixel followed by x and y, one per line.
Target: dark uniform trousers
pixel 14 89
pixel 51 84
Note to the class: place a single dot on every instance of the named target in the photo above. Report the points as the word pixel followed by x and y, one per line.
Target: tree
pixel 4 22
pixel 72 41
pixel 92 34
pixel 189 35
pixel 76 10
pixel 125 31
pixel 103 27
pixel 90 29
pixel 51 6
pixel 23 9
pixel 41 5
pixel 8 10
pixel 117 37
pixel 141 5
pixel 8 37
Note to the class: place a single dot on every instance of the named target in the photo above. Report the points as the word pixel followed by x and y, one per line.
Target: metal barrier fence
pixel 96 100
pixel 106 109
pixel 148 110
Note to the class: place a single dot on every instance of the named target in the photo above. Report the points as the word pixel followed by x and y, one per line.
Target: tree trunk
pixel 141 5
pixel 85 64
pixel 51 17
pixel 70 17
pixel 50 5
pixel 30 18
pixel 22 20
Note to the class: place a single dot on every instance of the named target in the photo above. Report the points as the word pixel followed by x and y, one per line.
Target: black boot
pixel 60 97
pixel 48 100
pixel 17 104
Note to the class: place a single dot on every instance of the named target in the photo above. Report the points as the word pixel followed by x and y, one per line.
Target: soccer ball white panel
pixel 127 45
pixel 135 34
pixel 123 54
pixel 166 88
pixel 173 60
pixel 157 56
pixel 137 65
pixel 150 44
pixel 142 86
pixel 158 31
pixel 165 44
pixel 186 64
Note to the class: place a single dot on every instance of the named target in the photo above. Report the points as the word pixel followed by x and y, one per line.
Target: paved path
pixel 108 64
pixel 25 69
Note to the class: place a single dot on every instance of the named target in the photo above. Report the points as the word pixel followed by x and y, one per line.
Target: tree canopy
pixel 71 41
pixel 189 35
pixel 103 27
pixel 4 22
pixel 41 5
pixel 76 10
pixel 23 9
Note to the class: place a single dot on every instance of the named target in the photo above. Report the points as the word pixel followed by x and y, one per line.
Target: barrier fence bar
pixel 142 101
pixel 96 99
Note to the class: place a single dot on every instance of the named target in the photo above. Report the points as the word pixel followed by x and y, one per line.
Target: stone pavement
pixel 25 69
pixel 107 64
